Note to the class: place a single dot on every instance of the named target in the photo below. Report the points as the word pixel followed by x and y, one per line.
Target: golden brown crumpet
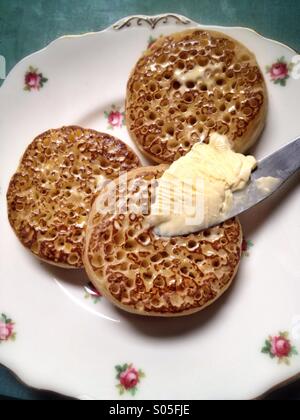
pixel 189 84
pixel 50 195
pixel 145 274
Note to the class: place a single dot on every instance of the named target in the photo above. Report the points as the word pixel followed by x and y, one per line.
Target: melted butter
pixel 266 184
pixel 199 73
pixel 196 190
pixel 195 74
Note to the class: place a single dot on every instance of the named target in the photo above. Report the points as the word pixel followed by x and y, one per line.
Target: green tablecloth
pixel 27 26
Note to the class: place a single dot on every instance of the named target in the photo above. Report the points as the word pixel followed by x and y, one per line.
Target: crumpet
pixel 146 274
pixel 50 195
pixel 189 84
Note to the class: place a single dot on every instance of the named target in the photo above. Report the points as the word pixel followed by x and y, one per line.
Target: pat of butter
pixel 196 190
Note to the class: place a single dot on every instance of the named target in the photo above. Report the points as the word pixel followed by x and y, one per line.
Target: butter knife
pixel 275 170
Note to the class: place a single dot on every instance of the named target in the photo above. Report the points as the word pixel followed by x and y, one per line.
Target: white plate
pixel 71 344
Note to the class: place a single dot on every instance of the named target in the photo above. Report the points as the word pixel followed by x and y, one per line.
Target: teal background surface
pixel 27 26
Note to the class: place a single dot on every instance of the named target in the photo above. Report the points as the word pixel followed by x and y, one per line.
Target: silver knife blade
pixel 280 165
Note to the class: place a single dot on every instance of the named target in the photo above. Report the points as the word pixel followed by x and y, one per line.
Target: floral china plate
pixel 57 333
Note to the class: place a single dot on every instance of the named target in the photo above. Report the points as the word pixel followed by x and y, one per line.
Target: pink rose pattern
pixel 6 329
pixel 280 347
pixel 92 292
pixel 246 245
pixel 128 377
pixel 279 71
pixel 34 80
pixel 115 117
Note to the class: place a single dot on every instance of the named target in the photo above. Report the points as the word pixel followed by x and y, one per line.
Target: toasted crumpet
pixel 145 274
pixel 192 83
pixel 50 195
